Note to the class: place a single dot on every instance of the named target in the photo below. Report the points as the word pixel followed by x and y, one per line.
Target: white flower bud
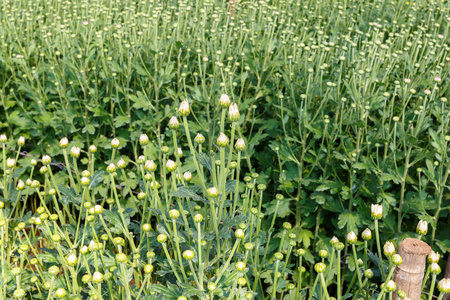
pixel 377 211
pixel 173 123
pixel 10 163
pixel 422 227
pixel 21 141
pixel 187 176
pixel 143 139
pixel 3 138
pixel 97 277
pixel 389 249
pixel 115 143
pixel 224 101
pixel 64 142
pixel 46 159
pixel 222 140
pixel 75 152
pixel 184 109
pixel 121 163
pixel 171 165
pixel 150 166
pixel 351 237
pixel 72 260
pixel 240 145
pixel 233 113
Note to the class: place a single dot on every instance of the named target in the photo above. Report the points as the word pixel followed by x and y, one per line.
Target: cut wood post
pixel 447 275
pixel 409 275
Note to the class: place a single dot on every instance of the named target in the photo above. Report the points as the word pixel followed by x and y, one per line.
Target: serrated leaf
pixel 205 161
pixel 96 178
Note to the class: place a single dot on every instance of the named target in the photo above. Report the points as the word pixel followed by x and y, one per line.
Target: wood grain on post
pixel 409 275
pixel 447 275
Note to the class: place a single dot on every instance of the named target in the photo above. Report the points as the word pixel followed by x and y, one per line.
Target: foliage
pixel 343 105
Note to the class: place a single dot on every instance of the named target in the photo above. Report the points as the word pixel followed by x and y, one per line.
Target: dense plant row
pixel 174 234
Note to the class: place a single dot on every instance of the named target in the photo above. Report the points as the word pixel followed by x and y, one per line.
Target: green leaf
pixel 205 160
pixel 350 220
pixel 96 178
pixel 304 237
pixel 186 192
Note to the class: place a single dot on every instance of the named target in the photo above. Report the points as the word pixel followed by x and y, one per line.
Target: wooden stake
pixel 409 275
pixel 447 275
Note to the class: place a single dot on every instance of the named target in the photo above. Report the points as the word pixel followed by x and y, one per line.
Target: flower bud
pixel 72 260
pixel 143 139
pixel 162 238
pixel 278 256
pixel 173 123
pixel 64 142
pixel 351 237
pixel 184 109
pixel 323 253
pixel 10 163
pixel 188 254
pixel 86 173
pixel 21 141
pixel 141 159
pixel 240 265
pixel 121 163
pixel 148 269
pixel 233 113
pixel 3 138
pixel 212 192
pixel 422 227
pixel 224 101
pixel 367 234
pixel 187 176
pixel 85 181
pixel 389 249
pixel 33 162
pixel 115 143
pixel 334 240
pixel 239 233
pixel 121 258
pixel 391 286
pixel 171 165
pixel 92 149
pixel 182 298
pixel 98 209
pixel 165 149
pixel 53 270
pixel 19 293
pixel 376 211
pixel 198 218
pixel 86 278
pixel 320 267
pixel 111 168
pixel 146 227
pixel 435 269
pixel 222 140
pixel 150 166
pixel 75 152
pixel 240 145
pixel 60 293
pixel 241 281
pixel 433 257
pixel 199 139
pixel 444 286
pixel 368 273
pixel 20 185
pixel 97 277
pixel 397 259
pixel 211 286
pixel 174 214
pixel 84 250
pixel 301 252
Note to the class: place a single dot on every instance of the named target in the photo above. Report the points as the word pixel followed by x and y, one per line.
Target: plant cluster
pixel 176 234
pixel 337 106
